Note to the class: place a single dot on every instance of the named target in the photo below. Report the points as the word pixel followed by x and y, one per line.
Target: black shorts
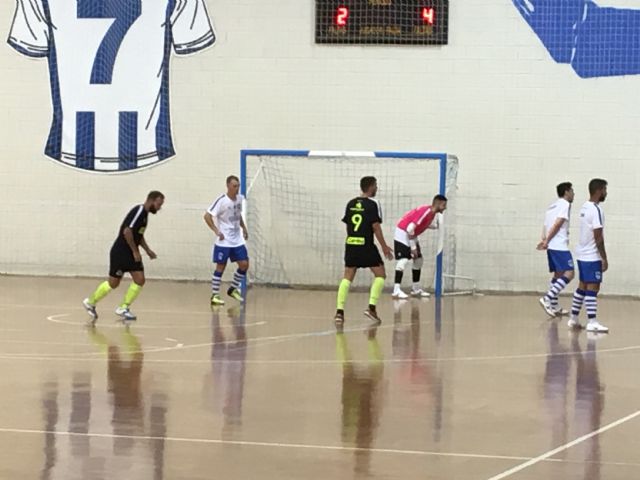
pixel 121 261
pixel 404 251
pixel 362 256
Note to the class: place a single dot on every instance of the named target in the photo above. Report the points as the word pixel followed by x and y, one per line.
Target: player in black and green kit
pixel 363 217
pixel 125 257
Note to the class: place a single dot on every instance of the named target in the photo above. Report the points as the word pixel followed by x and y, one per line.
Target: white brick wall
pixel 519 122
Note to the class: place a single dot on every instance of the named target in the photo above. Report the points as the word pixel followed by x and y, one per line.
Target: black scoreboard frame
pixel 382 22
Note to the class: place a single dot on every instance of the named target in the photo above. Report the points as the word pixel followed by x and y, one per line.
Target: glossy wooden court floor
pixel 478 388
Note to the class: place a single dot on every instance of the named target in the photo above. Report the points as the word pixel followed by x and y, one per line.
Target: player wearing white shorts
pixel 592 258
pixel 555 240
pixel 224 218
pixel 407 246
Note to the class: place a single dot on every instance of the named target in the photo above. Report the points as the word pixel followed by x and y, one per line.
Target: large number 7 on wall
pixel 125 13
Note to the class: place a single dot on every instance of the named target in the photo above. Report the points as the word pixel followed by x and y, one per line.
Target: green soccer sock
pixel 343 292
pixel 102 291
pixel 132 293
pixel 376 289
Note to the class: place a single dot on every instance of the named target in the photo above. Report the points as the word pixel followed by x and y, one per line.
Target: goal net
pixel 296 200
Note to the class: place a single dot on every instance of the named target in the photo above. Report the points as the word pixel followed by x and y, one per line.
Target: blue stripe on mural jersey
pixel 164 143
pixel 54 142
pixel 85 140
pixel 128 141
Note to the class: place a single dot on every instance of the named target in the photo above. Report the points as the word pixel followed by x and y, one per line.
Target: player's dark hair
pixel 440 198
pixel 596 184
pixel 231 178
pixel 153 194
pixel 367 182
pixel 563 188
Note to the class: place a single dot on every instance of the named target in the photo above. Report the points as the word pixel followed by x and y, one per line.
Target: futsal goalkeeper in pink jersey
pixel 407 246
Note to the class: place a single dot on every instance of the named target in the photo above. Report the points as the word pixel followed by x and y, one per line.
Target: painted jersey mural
pixel 109 74
pixel 597 40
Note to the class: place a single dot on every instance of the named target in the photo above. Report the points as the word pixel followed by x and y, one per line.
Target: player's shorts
pixel 222 255
pixel 404 251
pixel 560 261
pixel 590 272
pixel 362 256
pixel 121 261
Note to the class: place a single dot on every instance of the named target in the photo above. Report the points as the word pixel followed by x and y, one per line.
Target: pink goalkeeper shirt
pixel 420 217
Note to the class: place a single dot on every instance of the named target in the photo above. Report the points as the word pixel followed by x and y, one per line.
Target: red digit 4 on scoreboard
pixel 342 15
pixel 429 15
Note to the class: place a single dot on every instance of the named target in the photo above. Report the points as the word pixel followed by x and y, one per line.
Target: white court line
pixel 339 448
pixel 180 313
pixel 278 338
pixel 252 341
pixel 255 342
pixel 246 443
pixel 35 342
pixel 258 341
pixel 298 362
pixel 564 447
pixel 117 323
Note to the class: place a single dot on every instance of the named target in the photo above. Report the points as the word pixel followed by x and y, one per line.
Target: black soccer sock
pixel 398 279
pixel 416 275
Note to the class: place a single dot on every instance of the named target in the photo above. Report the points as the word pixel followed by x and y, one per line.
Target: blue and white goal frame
pixel 441 157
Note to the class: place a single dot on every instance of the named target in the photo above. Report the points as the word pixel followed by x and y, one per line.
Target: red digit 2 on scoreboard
pixel 342 15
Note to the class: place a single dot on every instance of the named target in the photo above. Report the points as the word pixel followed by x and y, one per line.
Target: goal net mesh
pixel 295 205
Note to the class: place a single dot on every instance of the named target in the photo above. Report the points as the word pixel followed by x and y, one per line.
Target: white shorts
pixel 402 236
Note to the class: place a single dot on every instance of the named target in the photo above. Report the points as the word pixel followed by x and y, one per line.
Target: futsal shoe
pixel 596 327
pixel 420 293
pixel 235 294
pixel 399 295
pixel 339 321
pixel 546 306
pixel 216 300
pixel 91 310
pixel 574 323
pixel 125 314
pixel 373 316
